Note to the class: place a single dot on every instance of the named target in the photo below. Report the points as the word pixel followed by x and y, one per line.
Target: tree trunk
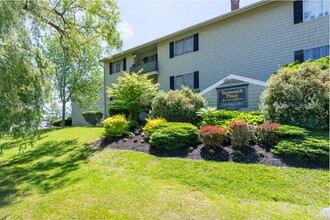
pixel 63 114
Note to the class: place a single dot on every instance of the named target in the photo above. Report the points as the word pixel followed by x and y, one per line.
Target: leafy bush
pixel 286 131
pixel 221 118
pixel 211 135
pixel 299 96
pixel 153 124
pixel 133 92
pixel 58 122
pixel 240 133
pixel 266 133
pixel 177 105
pixel 114 110
pixel 92 117
pixel 174 135
pixel 311 148
pixel 115 126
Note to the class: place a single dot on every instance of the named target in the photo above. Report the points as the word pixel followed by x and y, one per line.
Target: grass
pixel 61 177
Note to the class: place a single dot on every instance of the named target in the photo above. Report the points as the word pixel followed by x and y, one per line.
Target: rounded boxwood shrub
pixel 298 96
pixel 177 105
pixel 211 135
pixel 174 135
pixel 240 133
pixel 58 122
pixel 92 117
pixel 115 126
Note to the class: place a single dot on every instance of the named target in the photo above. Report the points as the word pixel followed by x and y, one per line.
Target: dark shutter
pixel 171 49
pixel 196 80
pixel 124 64
pixel 196 44
pixel 299 55
pixel 110 68
pixel 298 11
pixel 172 82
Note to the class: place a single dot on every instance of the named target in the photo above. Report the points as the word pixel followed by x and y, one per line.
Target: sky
pixel 146 20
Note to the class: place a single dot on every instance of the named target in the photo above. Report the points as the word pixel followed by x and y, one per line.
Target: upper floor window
pixel 117 66
pixel 315 8
pixel 306 10
pixel 183 46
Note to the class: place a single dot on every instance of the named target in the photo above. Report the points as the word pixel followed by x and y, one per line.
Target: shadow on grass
pixel 44 168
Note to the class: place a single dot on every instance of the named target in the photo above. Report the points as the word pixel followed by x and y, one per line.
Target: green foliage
pixel 240 133
pixel 286 131
pixel 221 118
pixel 58 122
pixel 174 135
pixel 133 93
pixel 113 110
pixel 153 124
pixel 299 95
pixel 115 126
pixel 311 147
pixel 92 117
pixel 177 105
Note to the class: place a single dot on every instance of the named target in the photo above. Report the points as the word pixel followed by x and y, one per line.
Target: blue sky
pixel 145 20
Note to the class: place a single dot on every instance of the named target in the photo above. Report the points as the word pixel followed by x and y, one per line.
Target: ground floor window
pixel 312 53
pixel 184 80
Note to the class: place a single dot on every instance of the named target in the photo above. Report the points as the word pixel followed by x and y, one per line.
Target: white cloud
pixel 126 30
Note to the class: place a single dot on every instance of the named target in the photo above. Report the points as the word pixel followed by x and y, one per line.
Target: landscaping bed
pixel 227 153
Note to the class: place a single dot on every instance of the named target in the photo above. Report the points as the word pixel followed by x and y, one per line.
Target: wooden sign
pixel 232 98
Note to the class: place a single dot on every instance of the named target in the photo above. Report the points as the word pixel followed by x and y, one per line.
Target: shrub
pixel 113 110
pixel 58 122
pixel 92 117
pixel 115 126
pixel 240 133
pixel 177 105
pixel 133 92
pixel 314 149
pixel 174 135
pixel 298 96
pixel 266 133
pixel 221 118
pixel 153 124
pixel 211 135
pixel 286 131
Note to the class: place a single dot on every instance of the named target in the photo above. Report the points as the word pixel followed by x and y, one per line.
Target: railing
pixel 147 67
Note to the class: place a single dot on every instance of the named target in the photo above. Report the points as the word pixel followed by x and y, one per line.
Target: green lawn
pixel 61 177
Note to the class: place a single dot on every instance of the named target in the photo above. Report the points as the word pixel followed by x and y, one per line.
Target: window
pixel 183 80
pixel 316 53
pixel 185 45
pixel 315 8
pixel 312 54
pixel 117 66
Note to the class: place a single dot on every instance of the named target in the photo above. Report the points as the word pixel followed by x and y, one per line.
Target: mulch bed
pixel 227 153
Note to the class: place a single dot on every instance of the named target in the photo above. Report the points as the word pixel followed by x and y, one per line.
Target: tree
pixel 23 27
pixel 77 79
pixel 133 92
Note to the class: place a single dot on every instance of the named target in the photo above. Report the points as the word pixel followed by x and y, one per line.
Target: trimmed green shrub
pixel 266 133
pixel 286 131
pixel 298 95
pixel 177 105
pixel 304 149
pixel 114 110
pixel 211 135
pixel 92 117
pixel 221 118
pixel 174 135
pixel 153 124
pixel 240 133
pixel 58 122
pixel 115 126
